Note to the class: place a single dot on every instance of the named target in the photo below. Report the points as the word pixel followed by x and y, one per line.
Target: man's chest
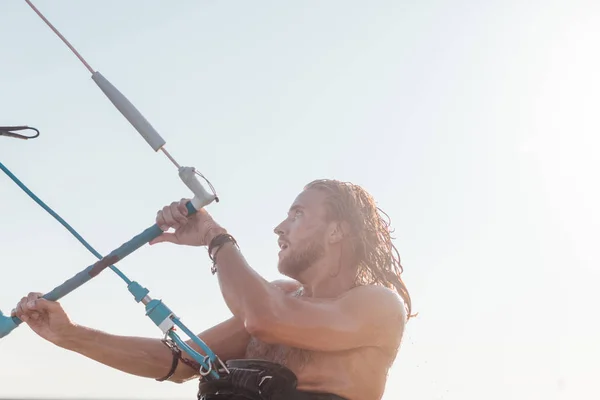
pixel 290 357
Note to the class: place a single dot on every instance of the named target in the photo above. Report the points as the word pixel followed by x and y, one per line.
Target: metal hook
pixel 7 131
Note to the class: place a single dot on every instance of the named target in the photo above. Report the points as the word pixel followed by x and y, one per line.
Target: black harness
pixel 256 380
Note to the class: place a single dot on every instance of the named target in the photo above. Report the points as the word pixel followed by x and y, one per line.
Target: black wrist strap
pixel 176 354
pixel 176 357
pixel 215 245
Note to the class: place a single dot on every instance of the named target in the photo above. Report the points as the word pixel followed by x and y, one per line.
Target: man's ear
pixel 337 232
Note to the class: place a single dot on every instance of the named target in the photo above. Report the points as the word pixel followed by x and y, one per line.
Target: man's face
pixel 302 235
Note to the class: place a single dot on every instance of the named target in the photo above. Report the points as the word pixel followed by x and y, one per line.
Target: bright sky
pixel 474 124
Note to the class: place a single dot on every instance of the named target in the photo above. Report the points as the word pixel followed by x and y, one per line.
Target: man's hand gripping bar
pixel 201 199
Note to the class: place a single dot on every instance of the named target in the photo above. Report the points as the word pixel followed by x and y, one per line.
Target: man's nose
pixel 279 229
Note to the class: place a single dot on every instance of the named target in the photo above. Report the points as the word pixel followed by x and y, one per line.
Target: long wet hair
pixel 376 258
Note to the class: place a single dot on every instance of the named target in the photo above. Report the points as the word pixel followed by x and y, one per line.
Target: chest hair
pixel 290 357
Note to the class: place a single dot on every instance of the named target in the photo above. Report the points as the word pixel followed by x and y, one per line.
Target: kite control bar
pixel 156 310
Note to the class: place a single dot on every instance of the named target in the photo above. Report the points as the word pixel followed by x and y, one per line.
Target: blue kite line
pixel 61 220
pixel 156 310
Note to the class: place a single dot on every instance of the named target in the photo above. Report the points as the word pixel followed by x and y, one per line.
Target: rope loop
pixel 8 131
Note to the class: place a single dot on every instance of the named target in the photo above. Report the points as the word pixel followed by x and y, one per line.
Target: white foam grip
pixel 130 112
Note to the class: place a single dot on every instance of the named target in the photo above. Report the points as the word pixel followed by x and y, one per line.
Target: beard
pixel 301 258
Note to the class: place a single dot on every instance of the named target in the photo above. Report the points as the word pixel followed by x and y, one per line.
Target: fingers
pixel 182 207
pixel 34 296
pixel 28 307
pixel 173 215
pixel 43 305
pixel 17 309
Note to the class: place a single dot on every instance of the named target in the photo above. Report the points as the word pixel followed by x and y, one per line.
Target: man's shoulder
pixel 378 299
pixel 377 292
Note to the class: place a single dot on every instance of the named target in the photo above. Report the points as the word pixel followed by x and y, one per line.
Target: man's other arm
pixel 149 357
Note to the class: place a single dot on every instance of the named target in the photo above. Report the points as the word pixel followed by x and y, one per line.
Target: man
pixel 336 327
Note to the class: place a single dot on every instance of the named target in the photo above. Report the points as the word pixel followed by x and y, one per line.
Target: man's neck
pixel 324 285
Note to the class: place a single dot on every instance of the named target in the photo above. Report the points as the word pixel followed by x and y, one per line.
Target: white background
pixel 474 124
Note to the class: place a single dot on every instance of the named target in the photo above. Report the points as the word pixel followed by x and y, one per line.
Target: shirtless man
pixel 337 325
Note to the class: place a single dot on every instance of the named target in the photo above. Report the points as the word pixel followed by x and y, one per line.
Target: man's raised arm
pixel 366 316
